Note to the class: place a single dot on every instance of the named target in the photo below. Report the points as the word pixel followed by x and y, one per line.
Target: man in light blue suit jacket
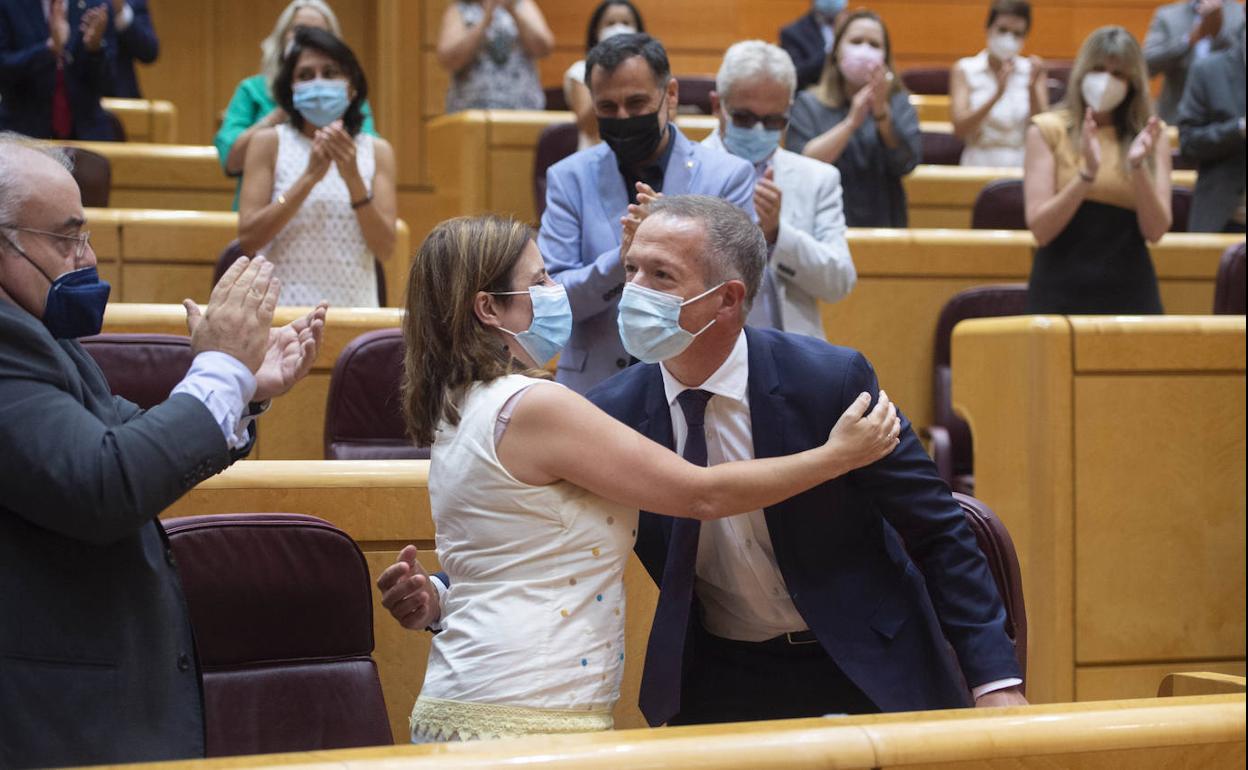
pixel 587 194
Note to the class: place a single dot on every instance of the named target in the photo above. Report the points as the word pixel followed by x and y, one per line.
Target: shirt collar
pixel 730 380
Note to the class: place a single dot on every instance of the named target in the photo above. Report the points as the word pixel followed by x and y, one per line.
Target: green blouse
pixel 251 102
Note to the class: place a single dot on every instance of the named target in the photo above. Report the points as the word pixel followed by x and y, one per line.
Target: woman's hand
pixel 859 439
pixel 341 148
pixel 861 105
pixel 879 83
pixel 1003 78
pixel 319 158
pixel 1090 146
pixel 1142 145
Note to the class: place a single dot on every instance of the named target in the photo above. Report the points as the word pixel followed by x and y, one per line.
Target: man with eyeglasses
pixel 798 199
pixel 97 662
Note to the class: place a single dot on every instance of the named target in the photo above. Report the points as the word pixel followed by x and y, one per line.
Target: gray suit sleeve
pixel 1165 46
pixel 87 478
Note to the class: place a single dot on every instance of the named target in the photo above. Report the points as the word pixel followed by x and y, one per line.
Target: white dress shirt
pixel 743 594
pixel 225 385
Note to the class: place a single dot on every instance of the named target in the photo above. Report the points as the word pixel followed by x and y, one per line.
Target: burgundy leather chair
pixel 941 149
pixel 94 175
pixel 554 99
pixel 363 413
pixel 282 610
pixel 695 94
pixel 556 142
pixel 1000 206
pixel 998 547
pixel 926 80
pixel 143 368
pixel 1228 294
pixel 949 434
pixel 233 251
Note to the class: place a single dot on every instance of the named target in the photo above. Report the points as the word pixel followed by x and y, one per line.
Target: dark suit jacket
pixel 28 72
pixel 803 39
pixel 97 663
pixel 848 549
pixel 1167 53
pixel 1209 115
pixel 137 42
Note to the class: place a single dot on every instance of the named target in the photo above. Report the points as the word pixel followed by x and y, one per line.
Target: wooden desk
pixel 294 428
pixel 1113 449
pixel 384 505
pixel 1149 734
pixel 931 107
pixel 163 256
pixel 145 120
pixel 164 176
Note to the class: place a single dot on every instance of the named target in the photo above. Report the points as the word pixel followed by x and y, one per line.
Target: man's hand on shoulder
pixel 1010 696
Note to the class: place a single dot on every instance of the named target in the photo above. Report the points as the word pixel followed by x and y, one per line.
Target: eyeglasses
pixel 80 239
pixel 747 119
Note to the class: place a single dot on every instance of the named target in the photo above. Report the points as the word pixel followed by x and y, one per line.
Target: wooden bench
pixel 1113 450
pixel 145 120
pixel 163 256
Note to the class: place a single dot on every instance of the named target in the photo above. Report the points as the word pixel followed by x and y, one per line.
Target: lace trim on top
pixel 435 719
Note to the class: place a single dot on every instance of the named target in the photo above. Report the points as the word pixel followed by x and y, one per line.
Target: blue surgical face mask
pixel 754 144
pixel 321 102
pixel 649 323
pixel 552 322
pixel 830 8
pixel 75 305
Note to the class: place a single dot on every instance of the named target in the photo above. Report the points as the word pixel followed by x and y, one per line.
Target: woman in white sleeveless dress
pixel 318 196
pixel 534 492
pixel 994 93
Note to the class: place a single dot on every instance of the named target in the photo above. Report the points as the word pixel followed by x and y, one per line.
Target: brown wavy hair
pixel 447 348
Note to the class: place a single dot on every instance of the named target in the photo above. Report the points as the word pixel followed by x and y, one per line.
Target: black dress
pixel 1098 265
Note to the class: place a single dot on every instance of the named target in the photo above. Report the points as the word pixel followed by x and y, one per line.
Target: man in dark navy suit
pixel 56 61
pixel 839 600
pixel 809 39
pixel 136 40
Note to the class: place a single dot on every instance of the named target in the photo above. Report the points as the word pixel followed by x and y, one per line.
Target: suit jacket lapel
pixel 611 193
pixel 767 417
pixel 681 167
pixel 656 422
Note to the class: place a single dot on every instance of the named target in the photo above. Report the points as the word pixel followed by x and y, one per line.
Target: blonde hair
pixel 1130 117
pixel 447 348
pixel 831 86
pixel 272 48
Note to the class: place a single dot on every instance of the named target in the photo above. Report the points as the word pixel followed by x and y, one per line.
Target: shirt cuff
pixel 224 385
pixel 1000 684
pixel 441 588
pixel 123 20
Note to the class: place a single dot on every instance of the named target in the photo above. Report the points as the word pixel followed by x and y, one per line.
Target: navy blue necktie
pixel 660 679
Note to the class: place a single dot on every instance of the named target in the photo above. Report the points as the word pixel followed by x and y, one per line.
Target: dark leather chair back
pixel 941 149
pixel 555 100
pixel 695 94
pixel 281 606
pixel 233 251
pixel 1228 293
pixel 977 302
pixel 143 368
pixel 1000 206
pixel 363 413
pixel 998 547
pixel 556 142
pixel 94 175
pixel 926 80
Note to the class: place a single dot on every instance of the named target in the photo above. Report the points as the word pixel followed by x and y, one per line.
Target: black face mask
pixel 633 139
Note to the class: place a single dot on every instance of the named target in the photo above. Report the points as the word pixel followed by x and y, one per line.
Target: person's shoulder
pixel 1052 123
pixel 803 348
pixel 730 165
pixel 581 161
pixel 25 346
pixel 618 392
pixel 972 64
pixel 810 169
pixel 796 26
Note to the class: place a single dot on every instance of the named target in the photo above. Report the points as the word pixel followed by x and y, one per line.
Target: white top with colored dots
pixel 534 616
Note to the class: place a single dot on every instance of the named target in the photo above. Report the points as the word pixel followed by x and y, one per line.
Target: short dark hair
pixel 617 49
pixel 1019 8
pixel 328 44
pixel 591 35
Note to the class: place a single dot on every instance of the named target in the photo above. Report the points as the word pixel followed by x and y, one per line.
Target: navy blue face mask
pixel 76 300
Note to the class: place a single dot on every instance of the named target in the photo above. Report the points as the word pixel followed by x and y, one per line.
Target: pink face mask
pixel 858 61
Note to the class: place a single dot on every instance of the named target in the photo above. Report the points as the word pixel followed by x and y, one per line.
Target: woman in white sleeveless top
pixel 534 493
pixel 994 93
pixel 318 196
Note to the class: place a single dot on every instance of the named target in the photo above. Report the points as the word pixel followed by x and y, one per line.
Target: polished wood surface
pixel 145 120
pixel 294 427
pixel 1113 449
pixel 1199 683
pixel 384 505
pixel 1184 733
pixel 164 256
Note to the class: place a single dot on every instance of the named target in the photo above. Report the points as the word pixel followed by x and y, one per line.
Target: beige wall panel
pixel 511 184
pixel 294 429
pixel 110 271
pixel 1159 535
pixel 167 283
pixel 1153 343
pixel 1094 683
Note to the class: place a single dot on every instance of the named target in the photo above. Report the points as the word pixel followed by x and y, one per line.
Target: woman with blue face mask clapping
pixel 535 492
pixel 318 196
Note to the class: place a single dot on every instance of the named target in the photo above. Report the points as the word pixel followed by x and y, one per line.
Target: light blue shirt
pixel 225 385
